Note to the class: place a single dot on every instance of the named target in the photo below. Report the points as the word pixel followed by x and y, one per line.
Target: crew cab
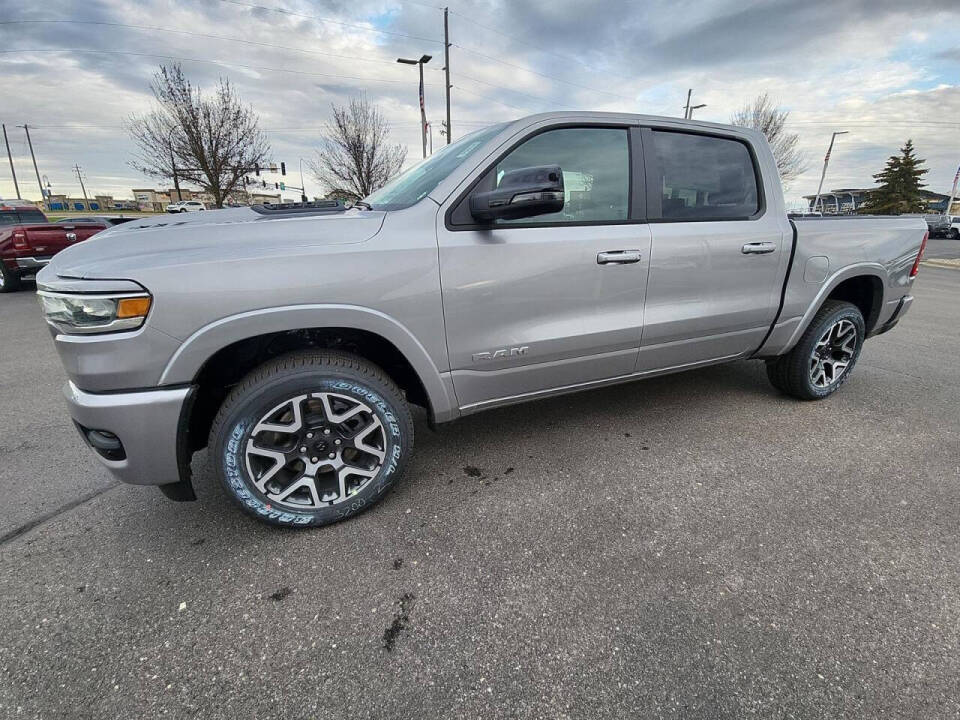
pixel 28 241
pixel 556 253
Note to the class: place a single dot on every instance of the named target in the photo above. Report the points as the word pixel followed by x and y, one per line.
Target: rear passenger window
pixel 705 178
pixel 31 217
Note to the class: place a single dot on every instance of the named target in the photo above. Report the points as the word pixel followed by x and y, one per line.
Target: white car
pixel 954 232
pixel 185 206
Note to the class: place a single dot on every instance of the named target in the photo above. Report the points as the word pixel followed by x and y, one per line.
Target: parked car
pixel 104 221
pixel 28 241
pixel 556 253
pixel 954 233
pixel 938 224
pixel 185 206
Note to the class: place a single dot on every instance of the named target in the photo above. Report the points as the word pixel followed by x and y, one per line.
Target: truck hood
pixel 202 237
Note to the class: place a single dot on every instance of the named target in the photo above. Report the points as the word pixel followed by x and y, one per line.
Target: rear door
pixel 534 304
pixel 716 251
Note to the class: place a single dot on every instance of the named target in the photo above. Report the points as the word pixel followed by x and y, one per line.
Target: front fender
pixel 183 367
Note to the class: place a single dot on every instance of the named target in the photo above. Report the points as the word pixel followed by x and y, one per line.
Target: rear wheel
pixel 9 279
pixel 825 355
pixel 311 438
pixel 955 233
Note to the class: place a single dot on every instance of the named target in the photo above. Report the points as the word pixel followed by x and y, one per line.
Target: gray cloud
pixel 827 61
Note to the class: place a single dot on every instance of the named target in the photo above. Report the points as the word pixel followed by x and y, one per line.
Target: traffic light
pixel 276 186
pixel 257 171
pixel 263 182
pixel 283 168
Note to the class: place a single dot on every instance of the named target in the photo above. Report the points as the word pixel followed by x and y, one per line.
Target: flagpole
pixel 953 193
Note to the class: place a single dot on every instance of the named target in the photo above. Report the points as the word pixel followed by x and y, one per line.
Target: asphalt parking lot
pixel 689 546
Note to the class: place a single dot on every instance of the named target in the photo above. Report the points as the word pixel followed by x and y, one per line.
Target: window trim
pixel 636 198
pixel 652 166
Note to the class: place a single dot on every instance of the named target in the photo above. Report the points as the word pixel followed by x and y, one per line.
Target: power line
pixel 491 99
pixel 514 38
pixel 201 60
pixel 284 11
pixel 192 33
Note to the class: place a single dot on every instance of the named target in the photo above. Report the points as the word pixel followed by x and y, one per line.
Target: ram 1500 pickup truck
pixel 559 252
pixel 28 241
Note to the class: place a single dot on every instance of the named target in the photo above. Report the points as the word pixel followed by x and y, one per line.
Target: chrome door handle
pixel 618 257
pixel 758 248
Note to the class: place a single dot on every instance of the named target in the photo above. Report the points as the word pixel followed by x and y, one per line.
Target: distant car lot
pixel 689 546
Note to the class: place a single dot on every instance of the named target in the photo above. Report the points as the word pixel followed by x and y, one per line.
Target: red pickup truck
pixel 28 241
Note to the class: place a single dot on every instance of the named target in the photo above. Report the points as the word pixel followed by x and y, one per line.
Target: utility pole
pixel 14 172
pixel 826 161
pixel 446 65
pixel 86 201
pixel 26 129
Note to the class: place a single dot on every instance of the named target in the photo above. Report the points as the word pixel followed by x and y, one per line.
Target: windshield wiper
pixel 362 204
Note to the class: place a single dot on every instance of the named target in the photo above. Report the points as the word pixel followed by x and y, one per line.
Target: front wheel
pixel 311 438
pixel 825 355
pixel 955 234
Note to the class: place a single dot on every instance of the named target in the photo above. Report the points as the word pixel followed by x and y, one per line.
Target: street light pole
pixel 688 108
pixel 12 169
pixel 424 59
pixel 303 187
pixel 826 161
pixel 26 129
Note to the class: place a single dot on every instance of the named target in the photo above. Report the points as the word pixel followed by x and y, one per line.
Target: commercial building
pixel 150 200
pixel 849 200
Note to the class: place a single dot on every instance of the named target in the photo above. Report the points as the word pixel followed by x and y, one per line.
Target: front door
pixel 550 301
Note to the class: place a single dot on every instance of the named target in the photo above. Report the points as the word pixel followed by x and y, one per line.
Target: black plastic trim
pixel 783 290
pixel 318 207
pixel 182 490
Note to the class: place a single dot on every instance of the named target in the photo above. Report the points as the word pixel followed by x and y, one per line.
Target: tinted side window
pixel 31 217
pixel 704 178
pixel 8 218
pixel 596 172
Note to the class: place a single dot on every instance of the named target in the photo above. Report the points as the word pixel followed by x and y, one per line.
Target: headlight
pixel 88 314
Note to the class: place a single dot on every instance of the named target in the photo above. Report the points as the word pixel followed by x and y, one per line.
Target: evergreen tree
pixel 900 185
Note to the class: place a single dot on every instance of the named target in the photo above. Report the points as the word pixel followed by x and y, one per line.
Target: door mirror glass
pixel 525 192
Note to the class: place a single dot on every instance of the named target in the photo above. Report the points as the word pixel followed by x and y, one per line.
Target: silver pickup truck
pixel 556 253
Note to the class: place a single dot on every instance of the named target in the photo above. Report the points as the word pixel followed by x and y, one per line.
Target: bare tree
pixel 763 115
pixel 356 157
pixel 210 140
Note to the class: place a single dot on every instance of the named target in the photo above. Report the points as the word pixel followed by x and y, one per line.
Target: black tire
pixel 9 279
pixel 791 373
pixel 334 374
pixel 954 234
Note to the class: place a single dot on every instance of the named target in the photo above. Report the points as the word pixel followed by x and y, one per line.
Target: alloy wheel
pixel 833 353
pixel 315 450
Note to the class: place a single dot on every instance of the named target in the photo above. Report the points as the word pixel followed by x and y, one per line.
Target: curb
pixel 951 264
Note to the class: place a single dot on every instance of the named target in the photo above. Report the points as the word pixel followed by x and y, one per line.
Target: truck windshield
pixel 414 184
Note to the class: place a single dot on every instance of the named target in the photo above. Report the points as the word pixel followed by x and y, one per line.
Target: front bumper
pixel 149 425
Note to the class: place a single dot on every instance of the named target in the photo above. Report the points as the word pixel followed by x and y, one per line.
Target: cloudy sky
pixel 883 70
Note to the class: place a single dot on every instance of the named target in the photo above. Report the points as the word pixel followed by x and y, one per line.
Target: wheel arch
pixel 220 354
pixel 862 284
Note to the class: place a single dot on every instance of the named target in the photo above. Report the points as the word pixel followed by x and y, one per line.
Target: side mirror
pixel 521 193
